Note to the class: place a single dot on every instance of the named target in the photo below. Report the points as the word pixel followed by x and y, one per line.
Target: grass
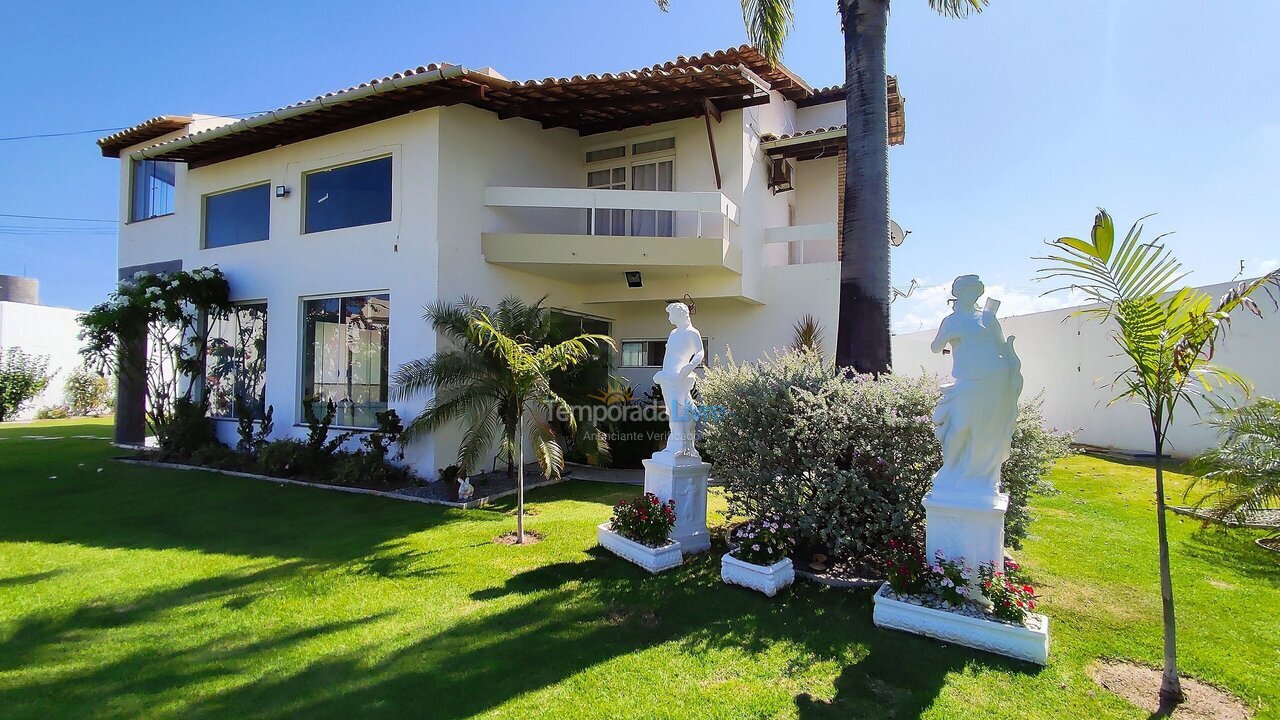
pixel 135 592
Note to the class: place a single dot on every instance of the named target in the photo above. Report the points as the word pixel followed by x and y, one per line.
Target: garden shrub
pixel 22 378
pixel 284 458
pixel 86 392
pixel 53 412
pixel 846 458
pixel 187 430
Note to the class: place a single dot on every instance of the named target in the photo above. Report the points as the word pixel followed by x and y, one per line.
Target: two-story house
pixel 337 219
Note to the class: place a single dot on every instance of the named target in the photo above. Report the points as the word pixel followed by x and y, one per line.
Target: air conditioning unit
pixel 781 171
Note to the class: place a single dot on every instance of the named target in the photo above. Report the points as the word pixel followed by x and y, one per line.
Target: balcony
pixel 594 236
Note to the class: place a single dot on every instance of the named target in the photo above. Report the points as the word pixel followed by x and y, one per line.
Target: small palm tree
pixel 1245 468
pixel 862 335
pixel 1169 336
pixel 496 380
pixel 808 334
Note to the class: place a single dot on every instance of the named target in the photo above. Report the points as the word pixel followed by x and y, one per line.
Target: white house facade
pixel 337 219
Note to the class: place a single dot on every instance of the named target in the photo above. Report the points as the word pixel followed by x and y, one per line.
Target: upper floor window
pixel 348 196
pixel 152 189
pixel 237 216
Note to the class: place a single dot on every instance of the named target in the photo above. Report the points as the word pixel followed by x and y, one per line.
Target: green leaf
pixel 1079 246
pixel 1104 235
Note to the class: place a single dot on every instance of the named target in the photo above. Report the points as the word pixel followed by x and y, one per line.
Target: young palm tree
pixel 1245 468
pixel 862 333
pixel 1169 336
pixel 496 380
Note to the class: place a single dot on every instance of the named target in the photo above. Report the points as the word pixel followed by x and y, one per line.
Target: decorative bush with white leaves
pixel 848 458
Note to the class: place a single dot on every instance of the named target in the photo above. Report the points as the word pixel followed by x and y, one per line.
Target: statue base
pixel 966 526
pixel 683 479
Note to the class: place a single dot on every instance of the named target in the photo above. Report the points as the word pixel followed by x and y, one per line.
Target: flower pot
pixel 1028 642
pixel 768 579
pixel 655 560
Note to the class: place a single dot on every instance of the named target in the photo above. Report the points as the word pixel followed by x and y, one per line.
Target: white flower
pixel 140 274
pixel 53 477
pixel 99 469
pixel 946 582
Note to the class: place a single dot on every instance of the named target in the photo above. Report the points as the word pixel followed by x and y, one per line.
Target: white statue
pixel 684 355
pixel 976 415
pixel 466 490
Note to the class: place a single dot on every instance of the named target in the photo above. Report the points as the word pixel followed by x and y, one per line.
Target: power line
pixel 54 217
pixel 105 130
pixel 61 134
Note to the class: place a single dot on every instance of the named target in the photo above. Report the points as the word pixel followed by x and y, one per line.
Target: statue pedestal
pixel 966 526
pixel 683 479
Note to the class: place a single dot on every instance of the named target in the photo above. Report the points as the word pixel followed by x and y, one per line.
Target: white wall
pixel 43 330
pixel 1073 360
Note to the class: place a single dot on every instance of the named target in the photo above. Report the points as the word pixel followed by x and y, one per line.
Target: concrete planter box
pixel 655 560
pixel 767 579
pixel 1030 643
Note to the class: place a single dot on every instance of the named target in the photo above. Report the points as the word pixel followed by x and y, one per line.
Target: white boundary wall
pixel 1073 360
pixel 43 330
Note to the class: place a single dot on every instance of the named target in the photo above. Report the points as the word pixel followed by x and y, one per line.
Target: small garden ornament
pixel 466 490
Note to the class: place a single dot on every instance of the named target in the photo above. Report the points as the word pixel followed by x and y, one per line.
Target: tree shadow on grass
pixel 28 578
pixel 1235 548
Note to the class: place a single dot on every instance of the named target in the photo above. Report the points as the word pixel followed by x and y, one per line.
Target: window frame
pixel 204 213
pixel 306 188
pixel 301 384
pixel 622 342
pixel 133 190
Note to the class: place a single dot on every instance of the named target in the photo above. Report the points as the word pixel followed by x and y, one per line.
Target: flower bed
pixel 757 558
pixel 640 531
pixel 964 625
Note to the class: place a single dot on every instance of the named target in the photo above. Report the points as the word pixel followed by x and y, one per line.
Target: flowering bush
pixel 905 567
pixel 645 519
pixel 847 457
pixel 165 313
pixel 763 542
pixel 952 580
pixel 1010 595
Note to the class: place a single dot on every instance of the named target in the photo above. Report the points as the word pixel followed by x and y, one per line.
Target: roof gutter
pixel 444 73
pixel 803 139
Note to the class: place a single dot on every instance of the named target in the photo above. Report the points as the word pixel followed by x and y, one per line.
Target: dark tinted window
pixel 239 216
pixel 348 196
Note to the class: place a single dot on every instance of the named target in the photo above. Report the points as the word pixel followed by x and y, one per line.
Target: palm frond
pixel 957 8
pixel 808 334
pixel 1244 470
pixel 768 24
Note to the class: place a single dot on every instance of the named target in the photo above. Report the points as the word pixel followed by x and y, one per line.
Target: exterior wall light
pixel 633 279
pixel 282 191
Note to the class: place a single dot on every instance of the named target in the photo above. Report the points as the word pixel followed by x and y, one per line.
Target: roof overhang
pixel 159 126
pixel 808 145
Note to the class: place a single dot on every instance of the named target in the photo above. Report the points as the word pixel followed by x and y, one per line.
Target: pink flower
pixel 755 547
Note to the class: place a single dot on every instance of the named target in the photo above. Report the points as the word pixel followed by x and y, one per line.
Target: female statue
pixel 975 417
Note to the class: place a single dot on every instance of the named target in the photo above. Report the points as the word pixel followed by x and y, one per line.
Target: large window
pixel 237 216
pixel 152 189
pixel 345 357
pixel 236 363
pixel 348 196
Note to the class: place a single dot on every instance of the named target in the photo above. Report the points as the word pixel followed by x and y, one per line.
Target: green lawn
pixel 134 592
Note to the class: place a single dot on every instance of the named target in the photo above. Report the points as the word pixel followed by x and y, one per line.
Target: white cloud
pixel 1253 267
pixel 926 307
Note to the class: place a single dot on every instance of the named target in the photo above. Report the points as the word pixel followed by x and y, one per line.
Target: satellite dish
pixel 896 234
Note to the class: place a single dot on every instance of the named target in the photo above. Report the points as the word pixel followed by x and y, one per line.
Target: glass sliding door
pixel 657 175
pixel 607 222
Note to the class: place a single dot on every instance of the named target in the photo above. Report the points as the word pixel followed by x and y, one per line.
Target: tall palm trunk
pixel 863 333
pixel 1170 685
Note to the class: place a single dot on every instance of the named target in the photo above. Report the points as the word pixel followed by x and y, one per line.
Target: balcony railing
pixel 641 213
pixel 800 244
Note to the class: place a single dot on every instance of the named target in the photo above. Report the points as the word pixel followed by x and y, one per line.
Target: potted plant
pixel 640 531
pixel 758 558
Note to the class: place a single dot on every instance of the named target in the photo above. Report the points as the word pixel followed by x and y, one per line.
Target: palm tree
pixel 1245 468
pixel 496 380
pixel 862 334
pixel 1169 336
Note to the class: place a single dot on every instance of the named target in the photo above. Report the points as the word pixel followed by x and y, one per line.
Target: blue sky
pixel 1019 121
